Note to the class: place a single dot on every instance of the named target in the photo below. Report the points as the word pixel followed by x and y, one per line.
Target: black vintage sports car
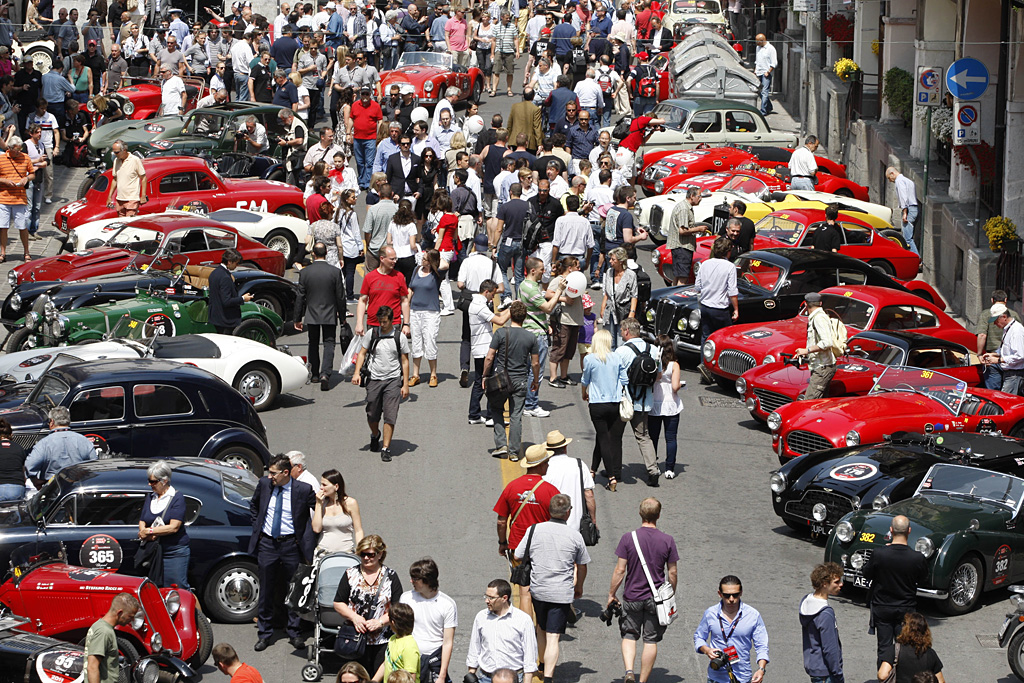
pixel 813 492
pixel 772 284
pixel 152 408
pixel 105 497
pixel 175 279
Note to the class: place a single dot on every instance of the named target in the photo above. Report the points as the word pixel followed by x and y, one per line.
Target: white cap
pixel 997 310
pixel 330 5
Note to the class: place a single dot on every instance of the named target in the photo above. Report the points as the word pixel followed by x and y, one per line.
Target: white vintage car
pixel 653 213
pixel 697 14
pixel 255 370
pixel 276 231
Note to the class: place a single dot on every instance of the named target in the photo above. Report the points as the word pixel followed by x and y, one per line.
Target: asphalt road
pixel 435 500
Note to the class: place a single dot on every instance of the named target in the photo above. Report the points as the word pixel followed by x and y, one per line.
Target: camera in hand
pixel 239 135
pixel 612 611
pixel 721 661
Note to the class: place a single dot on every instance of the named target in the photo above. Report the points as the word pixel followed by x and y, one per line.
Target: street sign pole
pixel 927 92
pixel 927 149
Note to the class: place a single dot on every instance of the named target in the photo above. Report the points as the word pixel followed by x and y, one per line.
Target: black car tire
pixel 283 241
pixel 127 650
pixel 725 384
pixel 963 596
pixel 894 236
pixel 1015 654
pixel 270 301
pixel 244 457
pixel 883 266
pixel 291 210
pixel 844 192
pixel 18 341
pixel 204 630
pixel 215 596
pixel 84 187
pixel 266 377
pixel 478 90
pixel 279 176
pixel 1018 432
pixel 257 330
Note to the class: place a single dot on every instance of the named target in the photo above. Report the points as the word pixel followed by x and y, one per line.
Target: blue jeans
pixel 364 150
pixel 766 88
pixel 511 254
pixel 613 328
pixel 596 271
pixel 482 678
pixel 241 86
pixel 801 184
pixel 12 492
pixel 176 566
pixel 542 354
pixel 35 203
pixel 608 110
pixel 826 679
pixel 908 227
pixel 993 377
pixel 671 422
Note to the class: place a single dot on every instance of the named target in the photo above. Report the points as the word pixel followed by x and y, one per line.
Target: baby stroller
pixel 330 569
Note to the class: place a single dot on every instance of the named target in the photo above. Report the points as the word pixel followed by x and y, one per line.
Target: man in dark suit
pixel 403 170
pixel 282 537
pixel 225 301
pixel 320 302
pixel 660 38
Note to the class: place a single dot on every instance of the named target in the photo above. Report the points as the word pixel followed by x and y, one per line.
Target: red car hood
pixel 87 579
pixel 879 413
pixel 414 73
pixel 760 339
pixel 792 379
pixel 57 267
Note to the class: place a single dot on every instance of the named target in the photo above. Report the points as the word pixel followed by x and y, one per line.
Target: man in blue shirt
pixel 582 137
pixel 55 89
pixel 387 147
pixel 335 27
pixel 178 27
pixel 560 37
pixel 601 24
pixel 414 27
pixel 730 628
pixel 58 449
pixel 437 28
pixel 285 94
pixel 284 48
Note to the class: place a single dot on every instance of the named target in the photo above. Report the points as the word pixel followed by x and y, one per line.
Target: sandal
pixel 612 483
pixel 28 257
pixel 414 380
pixel 509 93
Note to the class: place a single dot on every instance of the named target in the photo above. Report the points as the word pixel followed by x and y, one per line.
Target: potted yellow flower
pixel 1002 233
pixel 846 69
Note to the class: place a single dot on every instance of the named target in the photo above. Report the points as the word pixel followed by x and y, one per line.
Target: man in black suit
pixel 660 38
pixel 320 303
pixel 282 537
pixel 403 170
pixel 225 301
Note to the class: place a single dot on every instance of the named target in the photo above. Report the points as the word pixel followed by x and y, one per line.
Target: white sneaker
pixel 448 312
pixel 489 422
pixel 537 412
pixel 48 200
pixel 670 474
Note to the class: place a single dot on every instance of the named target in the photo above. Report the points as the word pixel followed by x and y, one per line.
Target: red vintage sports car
pixel 766 387
pixel 198 240
pixel 753 179
pixel 864 239
pixel 140 100
pixel 902 399
pixel 732 350
pixel 665 164
pixel 62 601
pixel 430 74
pixel 185 182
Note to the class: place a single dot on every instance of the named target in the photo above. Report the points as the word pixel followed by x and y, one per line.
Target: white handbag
pixel 625 406
pixel 664 595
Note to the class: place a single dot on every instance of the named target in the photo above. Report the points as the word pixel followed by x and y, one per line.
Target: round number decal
pixel 61 666
pixel 161 325
pixel 854 471
pixel 100 552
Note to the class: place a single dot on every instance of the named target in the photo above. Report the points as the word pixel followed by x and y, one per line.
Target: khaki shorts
pixel 563 343
pixel 506 63
pixel 583 349
pixel 126 207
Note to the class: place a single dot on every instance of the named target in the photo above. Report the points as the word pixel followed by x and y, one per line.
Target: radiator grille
pixel 735 362
pixel 801 442
pixel 836 504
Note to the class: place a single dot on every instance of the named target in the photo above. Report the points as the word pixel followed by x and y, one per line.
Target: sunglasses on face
pixel 368 556
pixel 731 596
pixel 154 481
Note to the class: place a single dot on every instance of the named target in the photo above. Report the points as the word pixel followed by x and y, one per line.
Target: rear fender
pixel 234 436
pixel 920 286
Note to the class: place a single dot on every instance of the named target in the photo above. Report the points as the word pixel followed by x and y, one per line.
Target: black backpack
pixel 532 229
pixel 622 128
pixel 643 370
pixel 579 57
pixel 374 340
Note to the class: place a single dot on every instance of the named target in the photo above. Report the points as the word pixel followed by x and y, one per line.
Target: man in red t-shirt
pixel 641 128
pixel 366 114
pixel 226 659
pixel 383 286
pixel 525 502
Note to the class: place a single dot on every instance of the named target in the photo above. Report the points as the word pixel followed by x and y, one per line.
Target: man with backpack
pixel 821 341
pixel 643 83
pixel 642 370
pixel 610 83
pixel 385 356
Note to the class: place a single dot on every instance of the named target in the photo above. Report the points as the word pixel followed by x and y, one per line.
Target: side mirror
pixel 973 525
pixel 94 243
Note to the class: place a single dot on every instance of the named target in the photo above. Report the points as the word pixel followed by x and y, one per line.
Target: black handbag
pixel 350 644
pixel 499 382
pixel 588 530
pixel 465 299
pixel 521 572
pixel 301 595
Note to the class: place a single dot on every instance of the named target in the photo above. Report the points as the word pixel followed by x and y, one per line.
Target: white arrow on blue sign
pixel 967 79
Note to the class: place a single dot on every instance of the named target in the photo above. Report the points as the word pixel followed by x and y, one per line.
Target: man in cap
pixel 178 27
pixel 643 84
pixel 571 477
pixel 819 348
pixel 1010 355
pixel 93 59
pixel 990 338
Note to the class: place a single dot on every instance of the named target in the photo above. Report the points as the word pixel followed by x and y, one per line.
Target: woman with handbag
pixel 620 293
pixel 911 653
pixel 483 38
pixel 162 521
pixel 364 598
pixel 604 381
pixel 336 516
pixel 666 404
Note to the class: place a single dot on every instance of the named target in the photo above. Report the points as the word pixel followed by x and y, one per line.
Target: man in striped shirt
pixel 503 637
pixel 505 50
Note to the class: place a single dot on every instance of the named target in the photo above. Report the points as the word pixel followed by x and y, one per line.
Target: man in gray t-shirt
pixel 515 350
pixel 386 364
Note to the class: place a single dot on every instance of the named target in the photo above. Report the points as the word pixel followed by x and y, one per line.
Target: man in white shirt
pixel 507 169
pixel 803 166
pixel 765 61
pixel 600 194
pixel 474 271
pixel 321 18
pixel 474 182
pixel 437 616
pixel 241 55
pixel 323 150
pixel 1010 355
pixel 503 636
pixel 481 326
pixel 172 93
pixel 281 20
pixel 570 476
pixel 604 144
pixel 214 98
pixel 299 471
pixel 590 95
pixel 906 194
pixel 49 141
pixel 255 136
pixel 573 234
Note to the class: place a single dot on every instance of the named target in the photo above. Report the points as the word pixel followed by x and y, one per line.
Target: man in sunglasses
pixel 730 628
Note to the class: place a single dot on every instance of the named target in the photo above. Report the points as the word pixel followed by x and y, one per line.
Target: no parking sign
pixel 929 86
pixel 966 123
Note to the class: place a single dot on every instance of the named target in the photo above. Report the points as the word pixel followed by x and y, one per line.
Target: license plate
pixel 818 529
pixel 64 223
pixel 861 582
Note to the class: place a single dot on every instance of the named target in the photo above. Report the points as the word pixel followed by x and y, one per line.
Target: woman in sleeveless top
pixel 336 516
pixel 81 79
pixel 666 404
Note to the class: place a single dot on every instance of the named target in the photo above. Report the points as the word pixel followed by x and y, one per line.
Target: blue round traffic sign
pixel 967 79
pixel 967 115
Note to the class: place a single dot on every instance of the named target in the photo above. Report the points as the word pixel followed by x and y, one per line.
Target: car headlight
pixel 694 320
pixel 49 309
pixel 777 482
pixel 681 325
pixel 72 238
pixel 650 316
pixel 925 546
pixel 844 531
pixel 768 359
pixel 708 350
pixel 774 421
pixel 90 107
pixel 173 602
pixel 1017 600
pixel 147 671
pixel 31 319
pixel 12 278
pixel 659 186
pixel 853 438
pixel 139 620
pixel 16 301
pixel 655 257
pixel 857 560
pixel 128 108
pixel 429 86
pixel 880 501
pixel 819 512
pixel 741 386
pixel 156 642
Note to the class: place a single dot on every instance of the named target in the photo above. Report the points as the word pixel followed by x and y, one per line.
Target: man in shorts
pixel 15 174
pixel 505 51
pixel 128 189
pixel 385 356
pixel 640 615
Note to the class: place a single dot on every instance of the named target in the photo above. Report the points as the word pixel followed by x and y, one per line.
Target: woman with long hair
pixel 483 33
pixel 666 404
pixel 447 243
pixel 603 380
pixel 345 127
pixel 373 194
pixel 458 144
pixel 402 235
pixel 318 201
pixel 351 240
pixel 382 130
pixel 327 231
pixel 430 169
pixel 303 111
pixel 425 313
pixel 564 341
pixel 336 516
pixel 620 293
pixel 352 672
pixel 319 169
pixel 915 652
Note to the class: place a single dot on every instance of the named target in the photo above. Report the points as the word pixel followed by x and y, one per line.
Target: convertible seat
pixel 198 276
pixel 199 311
pixel 188 346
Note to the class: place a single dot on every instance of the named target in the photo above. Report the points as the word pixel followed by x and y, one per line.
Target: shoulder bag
pixel 588 530
pixel 664 595
pixel 626 406
pixel 891 678
pixel 499 382
pixel 521 572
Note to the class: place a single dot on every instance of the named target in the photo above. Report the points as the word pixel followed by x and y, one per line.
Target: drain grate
pixel 720 402
pixel 989 642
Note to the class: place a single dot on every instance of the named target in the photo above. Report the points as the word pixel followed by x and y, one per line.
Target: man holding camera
pixel 726 633
pixel 638 614
pixel 254 134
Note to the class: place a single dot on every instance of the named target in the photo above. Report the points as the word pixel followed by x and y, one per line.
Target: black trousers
pixel 465 348
pixel 329 333
pixel 278 560
pixel 712 319
pixel 887 622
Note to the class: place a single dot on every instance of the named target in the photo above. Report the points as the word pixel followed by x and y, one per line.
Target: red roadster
pixel 430 74
pixel 140 100
pixel 754 179
pixel 199 240
pixel 731 351
pixel 902 399
pixel 180 182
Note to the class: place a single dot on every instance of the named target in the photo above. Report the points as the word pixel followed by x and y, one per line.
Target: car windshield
pixel 696 7
pixel 134 330
pixel 137 239
pixel 758 273
pixel 41 504
pixel 204 124
pixel 675 117
pixel 748 185
pixel 425 59
pixel 941 388
pixel 237 489
pixel 779 228
pixel 49 392
pixel 875 351
pixel 971 483
pixel 851 311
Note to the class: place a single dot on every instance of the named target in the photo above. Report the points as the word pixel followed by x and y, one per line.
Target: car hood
pixel 55 267
pixel 779 376
pixel 135 132
pixel 759 339
pixel 414 73
pixel 26 417
pixel 687 294
pixel 935 513
pixel 92 580
pixel 162 145
pixel 855 411
pixel 858 471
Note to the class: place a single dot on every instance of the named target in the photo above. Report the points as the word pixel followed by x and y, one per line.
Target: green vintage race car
pixel 169 316
pixel 968 523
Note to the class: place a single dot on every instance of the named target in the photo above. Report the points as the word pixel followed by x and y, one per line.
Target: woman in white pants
pixel 425 313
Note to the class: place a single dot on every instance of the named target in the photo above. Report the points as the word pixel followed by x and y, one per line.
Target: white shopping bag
pixel 348 360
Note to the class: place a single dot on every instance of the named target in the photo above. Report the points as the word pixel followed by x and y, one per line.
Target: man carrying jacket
pixel 818 349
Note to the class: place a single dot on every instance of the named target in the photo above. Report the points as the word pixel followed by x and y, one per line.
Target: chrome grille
pixel 770 400
pixel 657 215
pixel 848 570
pixel 836 504
pixel 664 317
pixel 802 443
pixel 735 362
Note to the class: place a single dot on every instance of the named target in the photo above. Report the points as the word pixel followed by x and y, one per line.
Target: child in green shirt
pixel 402 653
